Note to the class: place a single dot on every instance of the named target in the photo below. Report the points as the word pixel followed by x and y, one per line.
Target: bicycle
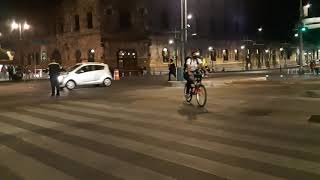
pixel 199 90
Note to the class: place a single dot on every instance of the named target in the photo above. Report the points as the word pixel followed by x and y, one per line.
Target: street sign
pixel 312 23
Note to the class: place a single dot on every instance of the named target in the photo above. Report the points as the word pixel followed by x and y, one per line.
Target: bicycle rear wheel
pixel 187 96
pixel 202 96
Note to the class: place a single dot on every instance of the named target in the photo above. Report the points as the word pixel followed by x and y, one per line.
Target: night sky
pixel 278 17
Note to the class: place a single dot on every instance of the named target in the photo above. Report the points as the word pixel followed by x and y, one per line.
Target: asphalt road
pixel 142 129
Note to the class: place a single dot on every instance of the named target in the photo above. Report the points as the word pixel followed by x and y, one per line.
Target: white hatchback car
pixel 86 74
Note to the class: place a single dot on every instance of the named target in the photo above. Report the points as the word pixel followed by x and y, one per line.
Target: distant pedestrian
pixel 54 72
pixel 172 70
pixel 144 71
pixel 10 71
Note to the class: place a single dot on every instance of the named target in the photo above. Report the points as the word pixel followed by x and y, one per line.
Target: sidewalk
pixel 286 77
pixel 220 81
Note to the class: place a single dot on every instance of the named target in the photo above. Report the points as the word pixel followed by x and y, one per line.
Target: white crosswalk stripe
pixel 27 167
pixel 229 150
pixel 47 125
pixel 77 154
pixel 217 132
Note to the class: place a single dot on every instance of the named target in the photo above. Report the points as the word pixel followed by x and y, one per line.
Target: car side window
pixel 98 68
pixel 84 69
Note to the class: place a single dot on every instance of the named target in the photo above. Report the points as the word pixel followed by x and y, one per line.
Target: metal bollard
pixel 123 74
pixel 130 74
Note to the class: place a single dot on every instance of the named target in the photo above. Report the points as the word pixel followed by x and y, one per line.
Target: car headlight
pixel 60 78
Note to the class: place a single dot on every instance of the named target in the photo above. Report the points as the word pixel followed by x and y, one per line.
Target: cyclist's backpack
pixel 185 63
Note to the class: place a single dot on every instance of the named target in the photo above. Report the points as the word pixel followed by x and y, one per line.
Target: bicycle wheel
pixel 202 96
pixel 188 96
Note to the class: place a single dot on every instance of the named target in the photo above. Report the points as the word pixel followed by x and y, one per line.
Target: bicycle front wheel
pixel 202 96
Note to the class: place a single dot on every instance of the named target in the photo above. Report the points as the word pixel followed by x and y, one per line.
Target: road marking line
pixel 81 155
pixel 258 156
pixel 212 167
pixel 158 115
pixel 202 130
pixel 26 167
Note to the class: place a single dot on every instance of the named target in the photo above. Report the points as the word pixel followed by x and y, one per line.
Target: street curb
pixel 313 93
pixel 217 82
pixel 295 77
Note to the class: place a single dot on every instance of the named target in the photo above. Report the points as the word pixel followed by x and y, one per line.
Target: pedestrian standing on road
pixel 54 72
pixel 10 71
pixel 172 69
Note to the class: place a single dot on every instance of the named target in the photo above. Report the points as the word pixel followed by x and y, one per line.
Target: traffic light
pixel 304 29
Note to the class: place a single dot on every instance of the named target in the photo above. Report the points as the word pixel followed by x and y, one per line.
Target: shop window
pixel 89 20
pixel 165 55
pixel 225 54
pixel 127 59
pixel 91 55
pixel 76 23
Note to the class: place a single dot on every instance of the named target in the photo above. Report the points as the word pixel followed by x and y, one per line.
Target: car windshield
pixel 73 68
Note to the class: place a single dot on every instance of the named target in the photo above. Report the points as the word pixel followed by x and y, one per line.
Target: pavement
pixel 142 129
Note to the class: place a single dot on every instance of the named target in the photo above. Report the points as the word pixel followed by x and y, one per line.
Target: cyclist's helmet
pixel 196 53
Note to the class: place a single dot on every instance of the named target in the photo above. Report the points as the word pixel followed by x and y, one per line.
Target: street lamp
pixel 171 41
pixel 308 5
pixel 296 35
pixel 20 26
pixel 190 16
pixel 243 47
pixel 260 29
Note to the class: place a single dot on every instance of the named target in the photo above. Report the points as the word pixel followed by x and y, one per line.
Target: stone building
pixel 129 35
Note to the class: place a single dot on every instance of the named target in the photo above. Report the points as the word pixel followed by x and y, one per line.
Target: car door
pixel 85 75
pixel 99 73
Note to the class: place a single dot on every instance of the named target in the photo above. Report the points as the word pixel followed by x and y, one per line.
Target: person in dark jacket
pixel 172 69
pixel 54 72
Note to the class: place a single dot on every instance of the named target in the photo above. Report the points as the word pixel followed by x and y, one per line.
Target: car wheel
pixel 107 82
pixel 71 85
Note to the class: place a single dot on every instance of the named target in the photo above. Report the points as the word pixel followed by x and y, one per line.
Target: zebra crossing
pixel 101 140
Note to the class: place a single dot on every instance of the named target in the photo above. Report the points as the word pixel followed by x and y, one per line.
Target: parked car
pixel 86 74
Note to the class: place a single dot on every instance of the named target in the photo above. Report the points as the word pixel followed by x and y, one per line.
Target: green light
pixel 304 29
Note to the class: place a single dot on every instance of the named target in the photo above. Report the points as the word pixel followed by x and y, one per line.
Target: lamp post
pixel 300 34
pixel 183 36
pixel 21 27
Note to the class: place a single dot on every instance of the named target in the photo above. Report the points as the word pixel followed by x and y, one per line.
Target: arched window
pixel 165 55
pixel 236 55
pixel 225 54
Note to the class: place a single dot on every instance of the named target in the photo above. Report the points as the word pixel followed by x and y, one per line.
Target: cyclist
pixel 192 65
